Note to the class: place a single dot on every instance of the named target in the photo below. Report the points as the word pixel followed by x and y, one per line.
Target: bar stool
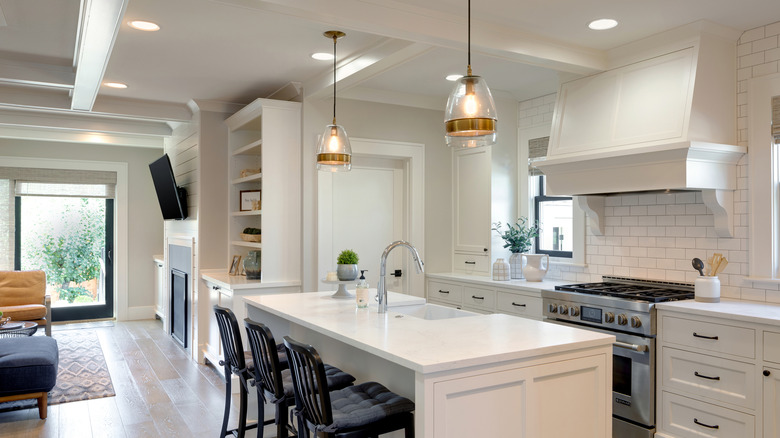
pixel 274 382
pixel 235 362
pixel 364 410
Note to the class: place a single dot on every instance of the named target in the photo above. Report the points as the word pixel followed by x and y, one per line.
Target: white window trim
pixel 763 244
pixel 524 196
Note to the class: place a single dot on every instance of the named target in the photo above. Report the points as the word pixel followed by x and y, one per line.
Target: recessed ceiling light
pixel 453 78
pixel 603 24
pixel 115 84
pixel 322 56
pixel 144 25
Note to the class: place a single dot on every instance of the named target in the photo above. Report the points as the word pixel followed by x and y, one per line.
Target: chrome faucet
pixel 381 289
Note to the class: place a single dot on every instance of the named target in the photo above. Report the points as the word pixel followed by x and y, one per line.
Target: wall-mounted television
pixel 172 198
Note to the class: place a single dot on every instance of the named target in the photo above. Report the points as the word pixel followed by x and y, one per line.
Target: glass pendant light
pixel 470 118
pixel 334 153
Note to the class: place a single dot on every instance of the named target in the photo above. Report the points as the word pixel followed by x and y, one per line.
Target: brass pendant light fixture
pixel 470 118
pixel 334 153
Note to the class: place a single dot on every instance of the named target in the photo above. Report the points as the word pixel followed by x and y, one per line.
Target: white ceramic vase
pixel 501 270
pixel 516 266
pixel 533 270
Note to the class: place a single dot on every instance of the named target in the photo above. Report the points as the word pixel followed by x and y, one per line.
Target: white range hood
pixel 664 123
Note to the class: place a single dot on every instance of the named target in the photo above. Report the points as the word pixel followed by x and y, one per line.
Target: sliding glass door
pixel 71 238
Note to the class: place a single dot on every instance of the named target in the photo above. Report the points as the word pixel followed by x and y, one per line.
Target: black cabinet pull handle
pixel 470 263
pixel 443 291
pixel 714 338
pixel 767 373
pixel 518 305
pixel 696 373
pixel 477 298
pixel 695 420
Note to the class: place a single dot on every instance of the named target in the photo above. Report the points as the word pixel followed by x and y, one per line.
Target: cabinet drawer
pixel 709 336
pixel 687 417
pixel 472 263
pixel 721 380
pixel 484 299
pixel 447 292
pixel 520 305
pixel 772 347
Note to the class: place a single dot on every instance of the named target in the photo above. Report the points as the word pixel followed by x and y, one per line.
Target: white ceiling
pixel 395 50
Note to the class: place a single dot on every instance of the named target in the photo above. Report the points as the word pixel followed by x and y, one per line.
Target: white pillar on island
pixel 475 375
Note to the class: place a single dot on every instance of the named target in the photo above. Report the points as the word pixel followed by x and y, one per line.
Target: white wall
pixel 145 224
pixel 383 122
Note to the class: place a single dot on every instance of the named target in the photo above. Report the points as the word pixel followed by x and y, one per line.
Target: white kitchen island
pixel 472 376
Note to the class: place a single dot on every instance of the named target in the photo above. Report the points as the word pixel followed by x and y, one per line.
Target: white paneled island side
pixel 471 375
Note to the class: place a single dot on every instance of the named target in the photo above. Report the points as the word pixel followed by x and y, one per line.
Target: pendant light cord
pixel 469 33
pixel 335 38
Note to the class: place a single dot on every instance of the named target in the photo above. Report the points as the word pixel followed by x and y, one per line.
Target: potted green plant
pixel 518 238
pixel 347 268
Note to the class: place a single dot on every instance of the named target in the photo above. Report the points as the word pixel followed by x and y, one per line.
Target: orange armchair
pixel 23 297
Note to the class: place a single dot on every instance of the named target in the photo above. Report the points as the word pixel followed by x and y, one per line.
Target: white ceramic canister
pixel 501 270
pixel 707 289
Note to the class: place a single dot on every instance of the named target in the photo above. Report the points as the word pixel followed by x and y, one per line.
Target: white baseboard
pixel 140 312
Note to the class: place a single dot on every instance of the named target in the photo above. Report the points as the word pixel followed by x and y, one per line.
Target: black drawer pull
pixel 477 298
pixel 705 425
pixel 767 373
pixel 696 373
pixel 443 291
pixel 518 305
pixel 696 335
pixel 470 263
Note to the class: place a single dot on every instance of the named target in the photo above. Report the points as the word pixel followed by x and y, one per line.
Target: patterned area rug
pixel 82 375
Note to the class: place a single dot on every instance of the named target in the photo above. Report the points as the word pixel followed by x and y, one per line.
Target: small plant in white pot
pixel 347 268
pixel 518 238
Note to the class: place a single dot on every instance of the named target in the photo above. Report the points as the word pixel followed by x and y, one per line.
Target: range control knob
pixel 622 319
pixel 553 308
pixel 563 309
pixel 574 311
pixel 636 322
pixel 609 317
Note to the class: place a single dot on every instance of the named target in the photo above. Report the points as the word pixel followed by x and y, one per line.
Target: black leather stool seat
pixel 366 403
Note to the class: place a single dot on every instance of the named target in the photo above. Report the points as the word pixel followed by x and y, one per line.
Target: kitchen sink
pixel 431 311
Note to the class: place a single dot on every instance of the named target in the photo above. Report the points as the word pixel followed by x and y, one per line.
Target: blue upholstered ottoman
pixel 28 369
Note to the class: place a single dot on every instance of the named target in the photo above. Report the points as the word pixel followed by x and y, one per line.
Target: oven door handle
pixel 634 347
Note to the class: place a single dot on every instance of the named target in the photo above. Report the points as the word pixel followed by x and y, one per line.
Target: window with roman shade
pixel 24 181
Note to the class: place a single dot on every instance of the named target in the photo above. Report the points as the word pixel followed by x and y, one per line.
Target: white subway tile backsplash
pixel 765 44
pixel 630 200
pixel 752 35
pixel 695 232
pixel 648 199
pixel 629 221
pixel 675 253
pixel 685 221
pixel 684 242
pixel 656 210
pixel 646 221
pixel 675 209
pixel 638 210
pixel 664 221
pixel 685 198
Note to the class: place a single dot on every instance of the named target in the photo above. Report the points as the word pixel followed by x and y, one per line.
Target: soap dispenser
pixel 361 292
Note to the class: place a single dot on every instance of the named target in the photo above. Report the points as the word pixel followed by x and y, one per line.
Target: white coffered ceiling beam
pixel 369 63
pixel 69 121
pixel 98 30
pixel 404 21
pixel 33 74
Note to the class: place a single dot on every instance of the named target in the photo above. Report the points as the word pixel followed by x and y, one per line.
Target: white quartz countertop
pixel 759 313
pixel 534 286
pixel 221 278
pixel 427 346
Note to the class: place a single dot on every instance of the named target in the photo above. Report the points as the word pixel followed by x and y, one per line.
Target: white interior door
pixel 379 201
pixel 368 214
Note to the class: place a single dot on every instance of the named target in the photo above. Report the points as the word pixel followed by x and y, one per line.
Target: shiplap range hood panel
pixel 665 123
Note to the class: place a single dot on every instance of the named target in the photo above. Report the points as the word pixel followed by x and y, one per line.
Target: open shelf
pixel 253 245
pixel 247 213
pixel 250 149
pixel 250 178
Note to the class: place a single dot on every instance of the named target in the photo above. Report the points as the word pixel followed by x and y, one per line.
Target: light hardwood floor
pixel 159 393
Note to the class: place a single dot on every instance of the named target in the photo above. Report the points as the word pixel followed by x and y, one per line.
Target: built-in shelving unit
pixel 265 137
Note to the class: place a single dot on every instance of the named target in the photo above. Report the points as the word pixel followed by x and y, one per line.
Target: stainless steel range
pixel 624 307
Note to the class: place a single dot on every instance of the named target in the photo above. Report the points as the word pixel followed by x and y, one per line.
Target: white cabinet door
pixel 471 193
pixel 771 402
